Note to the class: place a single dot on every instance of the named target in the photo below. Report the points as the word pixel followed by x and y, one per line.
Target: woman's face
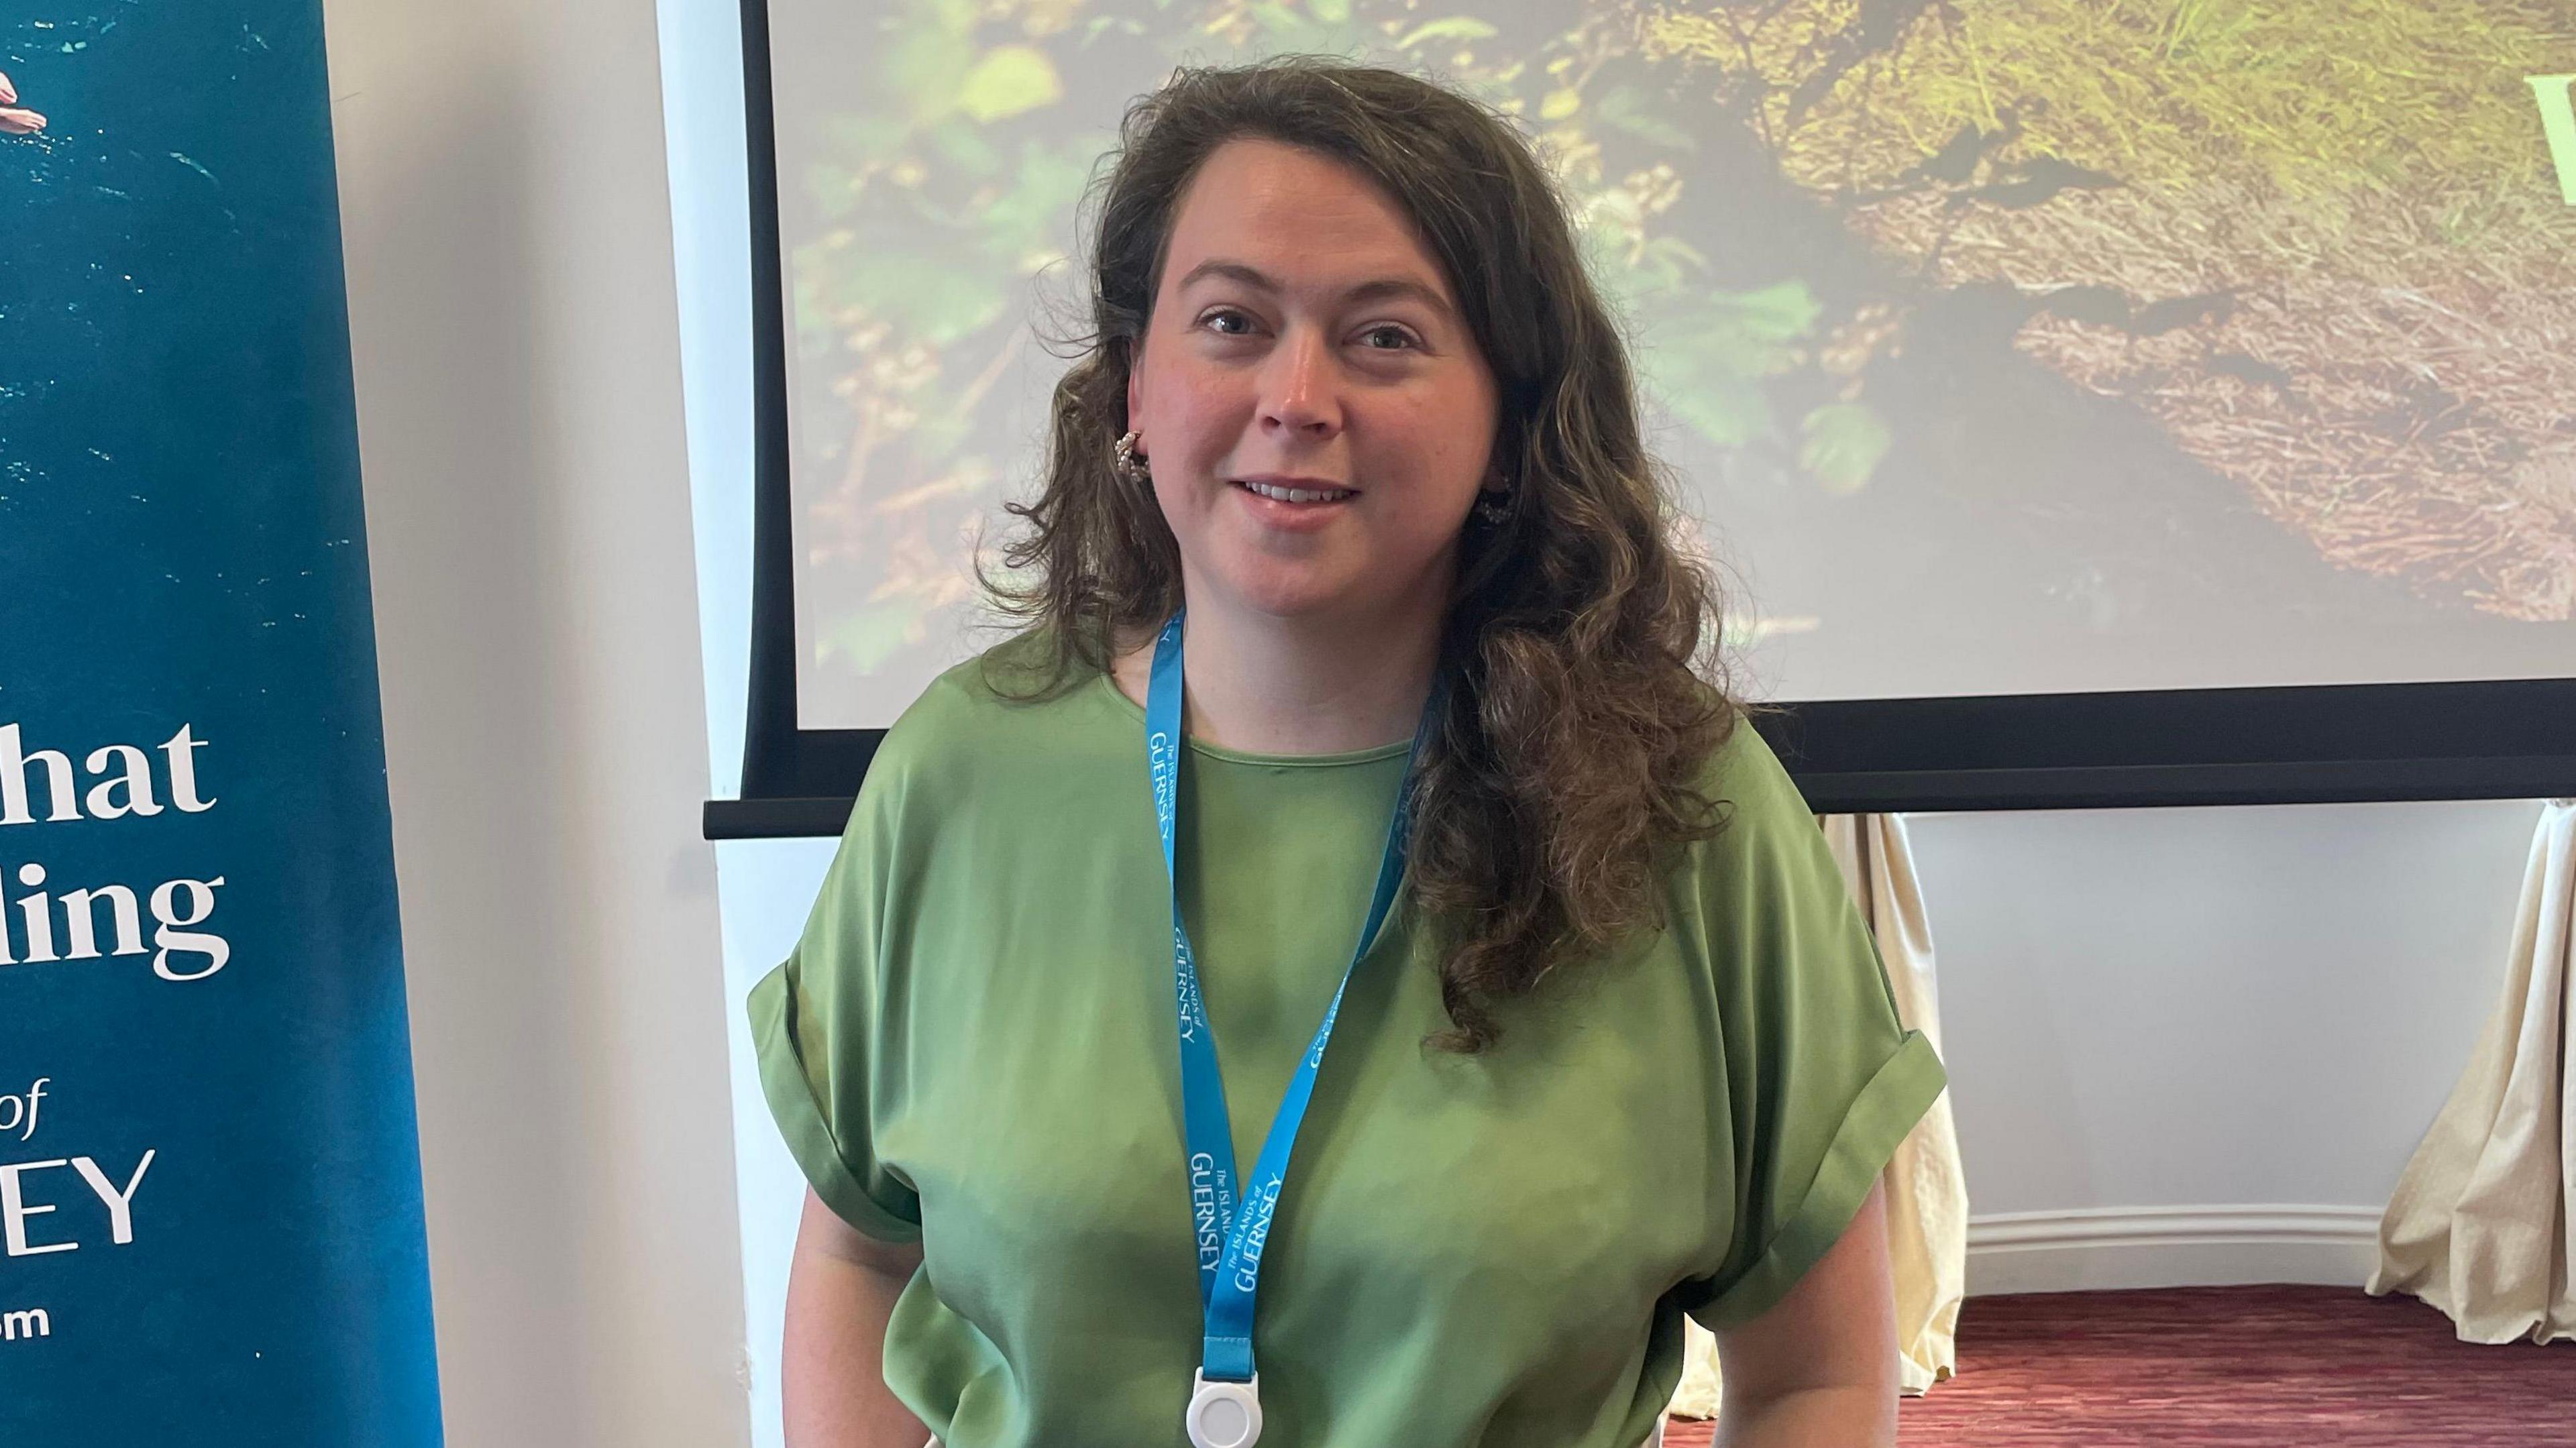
pixel 1303 338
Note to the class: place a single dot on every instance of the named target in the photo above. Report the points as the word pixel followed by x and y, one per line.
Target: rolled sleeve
pixel 830 1063
pixel 1820 1081
pixel 1878 1122
pixel 863 1195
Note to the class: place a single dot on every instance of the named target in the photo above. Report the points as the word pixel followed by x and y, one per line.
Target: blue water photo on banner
pixel 210 1207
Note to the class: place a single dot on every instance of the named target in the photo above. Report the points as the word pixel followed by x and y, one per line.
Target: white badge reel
pixel 1224 1415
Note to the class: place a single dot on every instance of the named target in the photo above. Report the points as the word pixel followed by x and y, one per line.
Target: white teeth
pixel 1297 495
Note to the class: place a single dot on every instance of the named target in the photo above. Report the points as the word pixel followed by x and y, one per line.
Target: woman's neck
pixel 1316 685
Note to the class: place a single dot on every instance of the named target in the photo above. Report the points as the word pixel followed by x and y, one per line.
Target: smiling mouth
pixel 1298 495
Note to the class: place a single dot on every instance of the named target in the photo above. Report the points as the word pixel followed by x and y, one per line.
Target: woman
pixel 1354 455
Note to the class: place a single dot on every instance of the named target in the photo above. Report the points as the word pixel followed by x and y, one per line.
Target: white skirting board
pixel 2113 1248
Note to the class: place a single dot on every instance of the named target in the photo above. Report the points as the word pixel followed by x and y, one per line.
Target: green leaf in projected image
pixel 1844 444
pixel 964 148
pixel 1460 28
pixel 1047 183
pixel 935 301
pixel 1706 356
pixel 1721 339
pixel 873 634
pixel 1283 29
pixel 867 136
pixel 1009 80
pixel 1669 262
pixel 1622 108
pixel 1781 312
pixel 926 67
pixel 1330 12
pixel 1721 409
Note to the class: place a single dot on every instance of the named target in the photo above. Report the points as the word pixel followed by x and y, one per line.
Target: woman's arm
pixel 841 1287
pixel 1819 1368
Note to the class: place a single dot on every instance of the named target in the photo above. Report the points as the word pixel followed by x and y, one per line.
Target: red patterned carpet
pixel 2245 1367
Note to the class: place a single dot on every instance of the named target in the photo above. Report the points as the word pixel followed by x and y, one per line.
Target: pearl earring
pixel 1130 466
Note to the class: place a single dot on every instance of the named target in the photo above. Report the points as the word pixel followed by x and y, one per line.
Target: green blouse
pixel 973 1045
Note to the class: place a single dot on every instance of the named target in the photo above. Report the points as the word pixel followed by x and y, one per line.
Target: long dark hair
pixel 1588 691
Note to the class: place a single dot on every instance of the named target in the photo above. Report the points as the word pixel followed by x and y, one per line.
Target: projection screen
pixel 2214 356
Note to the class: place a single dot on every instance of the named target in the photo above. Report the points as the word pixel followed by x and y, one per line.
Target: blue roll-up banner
pixel 210 1207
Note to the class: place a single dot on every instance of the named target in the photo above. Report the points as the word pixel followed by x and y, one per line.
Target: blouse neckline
pixel 1106 682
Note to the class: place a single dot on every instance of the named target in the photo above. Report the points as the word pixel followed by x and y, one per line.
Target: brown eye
pixel 1224 312
pixel 1403 337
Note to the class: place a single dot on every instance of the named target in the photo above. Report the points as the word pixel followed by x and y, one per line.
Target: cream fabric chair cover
pixel 1927 1193
pixel 2481 1225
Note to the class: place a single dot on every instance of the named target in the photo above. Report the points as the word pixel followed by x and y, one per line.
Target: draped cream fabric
pixel 2483 1220
pixel 1927 1193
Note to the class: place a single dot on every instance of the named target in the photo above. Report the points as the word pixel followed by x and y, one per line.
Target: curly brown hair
pixel 1587 689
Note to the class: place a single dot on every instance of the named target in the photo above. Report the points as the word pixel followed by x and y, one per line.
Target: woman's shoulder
pixel 1766 815
pixel 1744 767
pixel 1009 701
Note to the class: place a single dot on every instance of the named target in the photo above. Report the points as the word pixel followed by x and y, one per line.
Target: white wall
pixel 2198 1045
pixel 510 273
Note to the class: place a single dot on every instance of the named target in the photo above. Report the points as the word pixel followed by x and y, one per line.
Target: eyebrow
pixel 1368 291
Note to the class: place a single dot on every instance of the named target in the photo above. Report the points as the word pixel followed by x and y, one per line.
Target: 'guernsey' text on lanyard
pixel 1230 1240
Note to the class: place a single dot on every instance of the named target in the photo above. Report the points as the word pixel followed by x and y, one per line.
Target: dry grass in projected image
pixel 2322 245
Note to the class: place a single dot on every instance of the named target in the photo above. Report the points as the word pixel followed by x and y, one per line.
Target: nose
pixel 1300 387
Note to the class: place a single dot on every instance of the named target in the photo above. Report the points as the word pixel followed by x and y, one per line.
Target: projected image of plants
pixel 2188 311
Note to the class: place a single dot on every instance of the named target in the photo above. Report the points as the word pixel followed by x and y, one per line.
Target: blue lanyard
pixel 1230 1240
